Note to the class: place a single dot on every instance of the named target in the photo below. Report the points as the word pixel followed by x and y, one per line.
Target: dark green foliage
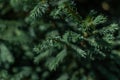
pixel 51 40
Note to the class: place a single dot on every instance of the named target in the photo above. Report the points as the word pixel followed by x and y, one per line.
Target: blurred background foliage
pixel 26 25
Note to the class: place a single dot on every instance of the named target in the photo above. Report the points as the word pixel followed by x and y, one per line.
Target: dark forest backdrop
pixel 59 40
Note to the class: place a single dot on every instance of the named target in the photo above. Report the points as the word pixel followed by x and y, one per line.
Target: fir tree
pixel 51 40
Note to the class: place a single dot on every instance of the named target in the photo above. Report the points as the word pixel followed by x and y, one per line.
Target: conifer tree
pixel 52 40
